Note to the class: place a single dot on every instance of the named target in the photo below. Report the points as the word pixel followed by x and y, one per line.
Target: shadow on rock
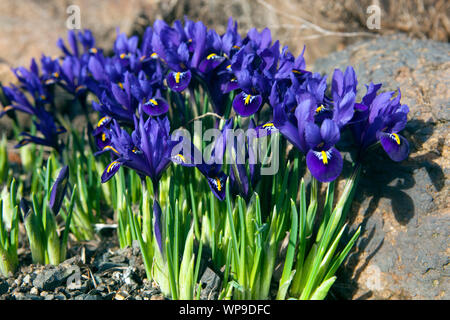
pixel 404 185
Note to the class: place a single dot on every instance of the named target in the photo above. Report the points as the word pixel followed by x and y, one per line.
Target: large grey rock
pixel 403 208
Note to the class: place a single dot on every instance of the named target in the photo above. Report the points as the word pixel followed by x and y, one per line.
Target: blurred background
pixel 29 28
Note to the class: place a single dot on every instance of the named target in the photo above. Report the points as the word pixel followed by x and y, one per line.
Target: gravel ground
pixel 96 271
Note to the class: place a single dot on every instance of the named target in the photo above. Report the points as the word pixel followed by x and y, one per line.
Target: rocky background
pixel 403 208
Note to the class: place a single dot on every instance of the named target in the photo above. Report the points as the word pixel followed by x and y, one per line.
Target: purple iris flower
pixel 59 190
pixel 314 140
pixel 147 150
pixel 244 173
pixel 18 101
pixel 87 41
pixel 51 70
pixel 32 82
pixel 48 129
pixel 74 76
pixel 231 39
pixel 171 45
pixel 211 168
pixel 323 159
pixel 379 118
pixel 255 67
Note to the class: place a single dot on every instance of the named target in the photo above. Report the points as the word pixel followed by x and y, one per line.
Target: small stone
pixel 52 278
pixel 210 282
pixel 26 280
pixel 34 291
pixel 4 287
pixel 157 297
pixel 85 296
pixel 121 295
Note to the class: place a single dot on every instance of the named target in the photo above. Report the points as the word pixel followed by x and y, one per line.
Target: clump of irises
pixel 229 205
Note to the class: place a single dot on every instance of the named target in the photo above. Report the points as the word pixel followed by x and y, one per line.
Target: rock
pixel 86 296
pixel 4 287
pixel 121 295
pixel 210 283
pixel 34 291
pixel 48 280
pixel 26 280
pixel 157 297
pixel 403 207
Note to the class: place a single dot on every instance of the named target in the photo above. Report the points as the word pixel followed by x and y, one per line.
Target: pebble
pixel 119 275
pixel 34 291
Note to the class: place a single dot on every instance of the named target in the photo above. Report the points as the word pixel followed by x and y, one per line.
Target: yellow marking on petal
pixel 269 124
pixel 102 121
pixel 247 99
pixel 123 55
pixel 56 74
pixel 296 71
pixel 396 137
pixel 142 58
pixel 219 185
pixel 320 108
pixel 103 137
pixel 111 165
pixel 153 102
pixel 134 150
pixel 181 157
pixel 236 47
pixel 177 77
pixel 324 157
pixel 111 148
pixel 154 55
pixel 229 67
pixel 120 85
pixel 42 97
pixel 210 56
pixel 7 108
pixel 79 88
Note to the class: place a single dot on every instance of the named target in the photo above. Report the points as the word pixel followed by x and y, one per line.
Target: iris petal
pixel 217 185
pixel 111 170
pixel 155 107
pixel 396 146
pixel 245 104
pixel 325 166
pixel 59 189
pixel 178 81
pixel 211 62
